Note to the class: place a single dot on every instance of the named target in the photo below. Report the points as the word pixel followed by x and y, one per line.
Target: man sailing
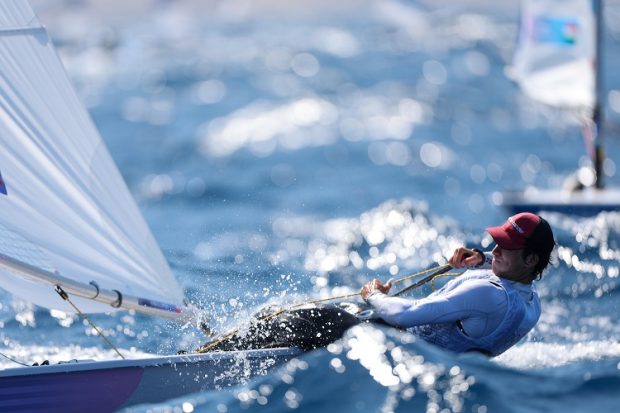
pixel 488 308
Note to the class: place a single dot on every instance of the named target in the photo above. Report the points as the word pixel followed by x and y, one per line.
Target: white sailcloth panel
pixel 555 59
pixel 63 203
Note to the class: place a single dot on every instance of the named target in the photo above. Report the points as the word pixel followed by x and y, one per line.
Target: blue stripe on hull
pixel 106 386
pixel 98 390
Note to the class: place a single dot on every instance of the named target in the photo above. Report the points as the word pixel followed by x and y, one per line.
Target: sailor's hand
pixel 375 285
pixel 464 257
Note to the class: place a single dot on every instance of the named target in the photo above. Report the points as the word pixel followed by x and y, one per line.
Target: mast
pixel 598 111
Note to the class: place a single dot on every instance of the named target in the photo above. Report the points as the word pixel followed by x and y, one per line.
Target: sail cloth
pixel 64 207
pixel 555 59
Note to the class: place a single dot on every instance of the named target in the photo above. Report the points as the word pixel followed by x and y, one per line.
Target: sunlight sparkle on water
pixel 289 125
pixel 396 231
pixel 391 364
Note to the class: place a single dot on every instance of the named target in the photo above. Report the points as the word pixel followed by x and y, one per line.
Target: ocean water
pixel 282 153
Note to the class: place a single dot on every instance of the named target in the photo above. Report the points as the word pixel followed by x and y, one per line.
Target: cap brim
pixel 503 239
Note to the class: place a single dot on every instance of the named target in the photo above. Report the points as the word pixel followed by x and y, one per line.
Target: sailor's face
pixel 511 264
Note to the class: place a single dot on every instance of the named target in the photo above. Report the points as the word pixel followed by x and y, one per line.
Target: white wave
pixel 542 355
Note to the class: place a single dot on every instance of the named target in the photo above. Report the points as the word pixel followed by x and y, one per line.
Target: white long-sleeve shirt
pixel 478 304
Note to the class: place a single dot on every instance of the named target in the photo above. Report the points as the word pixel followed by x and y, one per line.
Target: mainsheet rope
pixel 13 360
pixel 437 271
pixel 63 294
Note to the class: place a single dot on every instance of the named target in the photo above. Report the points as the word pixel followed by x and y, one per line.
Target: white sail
pixel 555 59
pixel 64 207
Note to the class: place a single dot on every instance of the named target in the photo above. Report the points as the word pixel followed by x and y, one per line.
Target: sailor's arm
pixel 476 298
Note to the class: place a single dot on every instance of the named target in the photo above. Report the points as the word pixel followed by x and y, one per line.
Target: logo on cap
pixel 516 226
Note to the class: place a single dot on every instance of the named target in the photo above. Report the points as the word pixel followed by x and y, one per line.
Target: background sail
pixel 555 58
pixel 64 206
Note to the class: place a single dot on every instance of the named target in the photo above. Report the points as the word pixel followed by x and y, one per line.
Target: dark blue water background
pixel 280 155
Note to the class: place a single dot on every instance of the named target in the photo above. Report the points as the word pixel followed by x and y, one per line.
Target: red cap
pixel 520 231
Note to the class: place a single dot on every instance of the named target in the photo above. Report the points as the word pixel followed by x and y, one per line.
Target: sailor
pixel 488 308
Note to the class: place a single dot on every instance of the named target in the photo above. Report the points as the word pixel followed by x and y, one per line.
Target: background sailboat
pixel 559 63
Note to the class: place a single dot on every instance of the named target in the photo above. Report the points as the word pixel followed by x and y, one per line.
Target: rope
pixel 438 271
pixel 448 274
pixel 62 293
pixel 435 270
pixel 417 274
pixel 13 360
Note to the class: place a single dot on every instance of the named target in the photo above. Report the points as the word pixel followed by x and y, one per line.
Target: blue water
pixel 278 155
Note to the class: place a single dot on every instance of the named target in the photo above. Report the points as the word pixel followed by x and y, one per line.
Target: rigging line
pixel 13 360
pixel 588 133
pixel 434 270
pixel 448 274
pixel 438 270
pixel 442 269
pixel 62 293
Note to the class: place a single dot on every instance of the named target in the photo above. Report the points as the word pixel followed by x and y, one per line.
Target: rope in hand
pixel 435 272
pixel 63 294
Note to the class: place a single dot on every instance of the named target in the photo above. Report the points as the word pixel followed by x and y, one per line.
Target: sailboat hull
pixel 105 386
pixel 587 202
